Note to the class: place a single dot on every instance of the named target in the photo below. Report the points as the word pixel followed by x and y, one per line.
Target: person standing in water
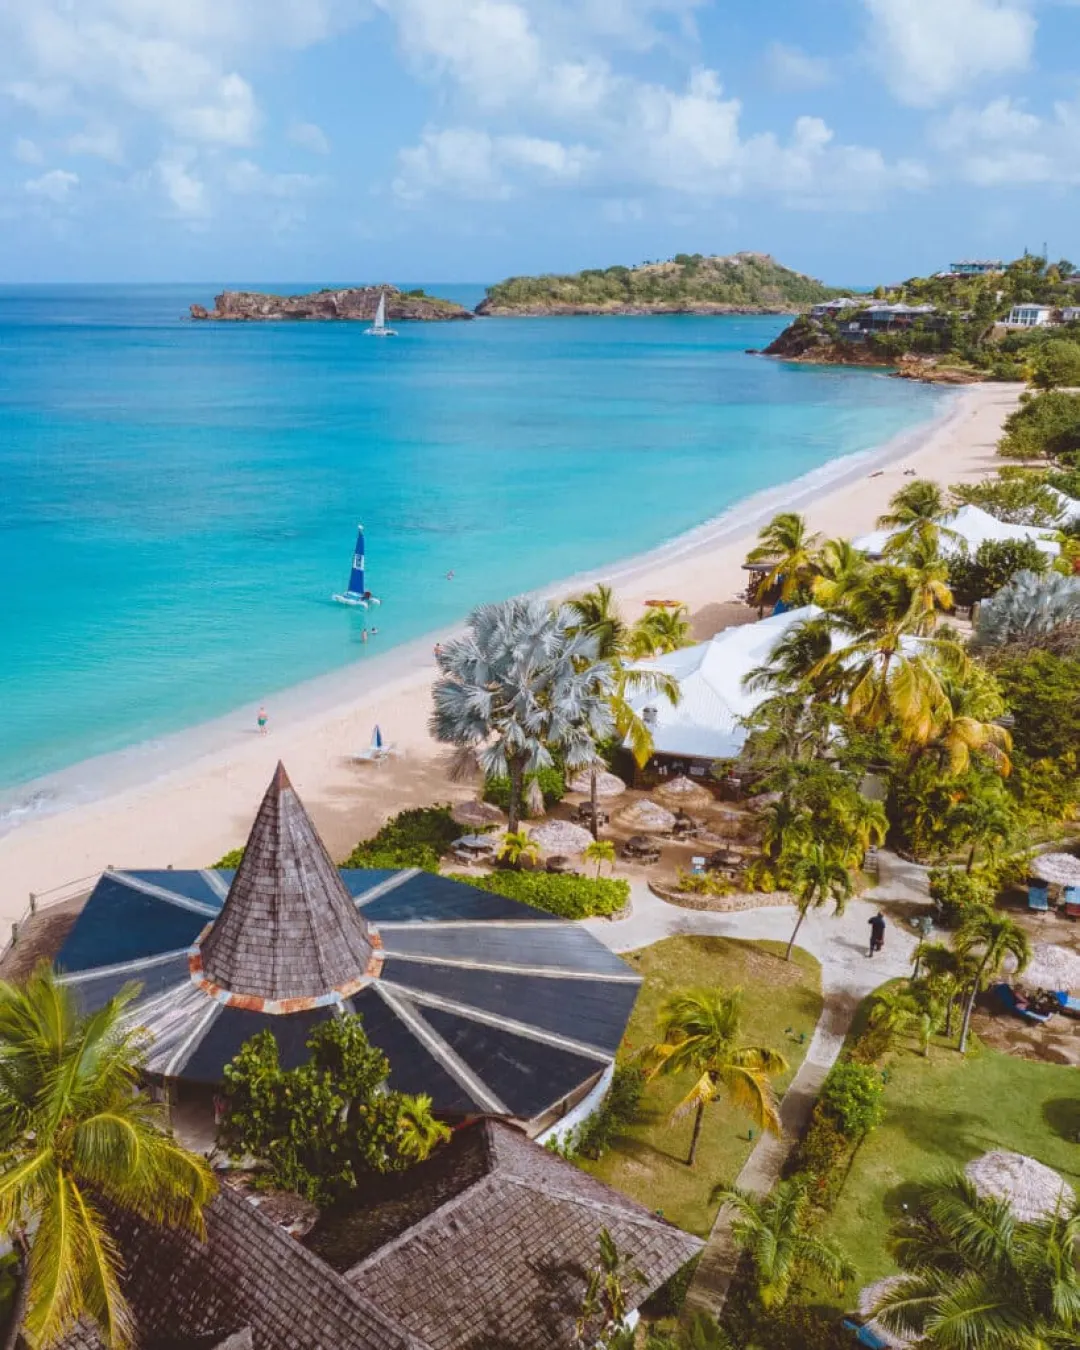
pixel 877 932
pixel 261 719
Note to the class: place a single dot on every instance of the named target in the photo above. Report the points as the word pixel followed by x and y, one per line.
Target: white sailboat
pixel 379 328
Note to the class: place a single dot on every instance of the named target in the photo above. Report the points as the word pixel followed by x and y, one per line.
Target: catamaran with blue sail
pixel 357 592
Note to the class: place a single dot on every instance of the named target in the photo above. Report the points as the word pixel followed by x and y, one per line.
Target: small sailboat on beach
pixel 357 592
pixel 379 328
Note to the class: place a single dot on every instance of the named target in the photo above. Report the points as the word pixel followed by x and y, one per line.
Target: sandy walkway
pixel 190 815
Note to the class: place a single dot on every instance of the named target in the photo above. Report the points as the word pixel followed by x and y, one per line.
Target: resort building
pixel 975 267
pixel 828 308
pixel 1029 316
pixel 967 529
pixel 1070 314
pixel 490 1006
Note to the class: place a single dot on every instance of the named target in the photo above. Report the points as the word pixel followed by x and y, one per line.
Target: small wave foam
pixel 16 810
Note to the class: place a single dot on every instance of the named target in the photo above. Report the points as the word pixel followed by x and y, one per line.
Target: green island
pixel 688 283
pixel 975 321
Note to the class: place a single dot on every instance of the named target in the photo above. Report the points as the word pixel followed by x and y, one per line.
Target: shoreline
pixel 188 797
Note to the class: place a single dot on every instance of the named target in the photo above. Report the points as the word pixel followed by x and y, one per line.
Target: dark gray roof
pixel 289 928
pixel 487 1245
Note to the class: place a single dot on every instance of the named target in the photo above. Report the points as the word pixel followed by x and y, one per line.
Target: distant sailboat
pixel 357 592
pixel 379 328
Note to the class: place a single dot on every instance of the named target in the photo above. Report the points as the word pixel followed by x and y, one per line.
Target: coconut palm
pixel 76 1136
pixel 975 1278
pixel 985 817
pixel 840 568
pixel 660 630
pixel 968 726
pixel 521 682
pixel 947 974
pixel 817 876
pixel 929 573
pixel 902 1012
pixel 774 1230
pixel 418 1131
pixel 789 547
pixel 600 851
pixel 988 937
pixel 699 1033
pixel 789 728
pixel 518 846
pixel 795 656
pixel 596 614
pixel 914 515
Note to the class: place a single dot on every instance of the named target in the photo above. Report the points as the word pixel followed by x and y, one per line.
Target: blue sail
pixel 356 576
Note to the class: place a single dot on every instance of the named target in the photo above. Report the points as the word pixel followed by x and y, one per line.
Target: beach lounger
pixel 1008 997
pixel 1072 902
pixel 1039 898
pixel 865 1335
pixel 1069 1006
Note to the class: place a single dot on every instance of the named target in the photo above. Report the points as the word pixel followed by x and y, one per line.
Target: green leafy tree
pixel 852 1096
pixel 969 724
pixel 321 1126
pixel 775 1232
pixel 995 562
pixel 988 937
pixel 947 974
pixel 790 548
pixel 700 1033
pixel 818 876
pixel 1056 364
pixel 76 1136
pixel 1046 426
pixel 973 1277
pixel 1017 496
pixel 600 851
pixel 840 569
pixel 984 817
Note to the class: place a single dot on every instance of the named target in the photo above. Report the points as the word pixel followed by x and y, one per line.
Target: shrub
pixel 994 564
pixel 551 782
pixel 1017 496
pixel 703 883
pixel 852 1096
pixel 620 1107
pixel 232 859
pixel 954 892
pixel 414 838
pixel 567 896
pixel 1044 427
pixel 1057 363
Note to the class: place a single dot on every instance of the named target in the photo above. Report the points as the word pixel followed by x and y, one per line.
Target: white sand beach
pixel 186 803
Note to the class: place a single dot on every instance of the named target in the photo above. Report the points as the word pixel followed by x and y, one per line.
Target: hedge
pixel 567 896
pixel 551 782
pixel 414 838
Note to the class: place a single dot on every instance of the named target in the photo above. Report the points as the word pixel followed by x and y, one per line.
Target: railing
pixel 55 895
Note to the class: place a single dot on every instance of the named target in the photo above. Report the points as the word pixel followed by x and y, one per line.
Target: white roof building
pixel 1070 507
pixel 706 723
pixel 973 526
pixel 1029 316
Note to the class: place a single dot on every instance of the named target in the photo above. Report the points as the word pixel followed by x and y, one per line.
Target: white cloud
pixel 791 68
pixel 248 179
pixel 101 142
pixel 308 136
pixel 929 50
pixel 183 188
pixel 228 117
pixel 54 186
pixel 1003 144
pixel 469 163
pixel 27 151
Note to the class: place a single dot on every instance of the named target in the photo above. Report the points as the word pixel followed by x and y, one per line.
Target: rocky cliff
pixel 354 303
pixel 806 340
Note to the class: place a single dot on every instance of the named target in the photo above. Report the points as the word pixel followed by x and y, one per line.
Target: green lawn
pixel 648 1161
pixel 940 1113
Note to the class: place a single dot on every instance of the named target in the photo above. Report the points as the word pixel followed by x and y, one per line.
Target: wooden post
pixel 33 903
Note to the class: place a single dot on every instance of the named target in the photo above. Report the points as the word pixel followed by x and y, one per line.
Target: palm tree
pixel 521 682
pixel 518 846
pixel 901 1012
pixel 791 550
pixel 976 1278
pixel 596 614
pixel 77 1135
pixel 947 974
pixel 699 1032
pixel 984 817
pixel 606 1305
pixel 666 629
pixel 969 726
pixel 795 656
pixel 774 1230
pixel 841 568
pixel 914 514
pixel 929 573
pixel 988 937
pixel 418 1131
pixel 818 875
pixel 600 851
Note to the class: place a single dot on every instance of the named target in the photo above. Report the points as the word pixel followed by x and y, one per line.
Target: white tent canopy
pixel 1070 508
pixel 706 724
pixel 973 526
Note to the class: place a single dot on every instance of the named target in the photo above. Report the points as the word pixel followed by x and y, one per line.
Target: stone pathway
pixel 847 976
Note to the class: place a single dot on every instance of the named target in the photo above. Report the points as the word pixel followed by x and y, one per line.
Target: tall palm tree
pixel 597 614
pixel 76 1135
pixel 799 652
pixel 659 631
pixel 929 573
pixel 969 726
pixel 975 1278
pixel 818 875
pixel 774 1230
pixel 915 515
pixel 600 851
pixel 522 681
pixel 984 818
pixel 841 568
pixel 418 1131
pixel 947 974
pixel 699 1033
pixel 790 548
pixel 988 937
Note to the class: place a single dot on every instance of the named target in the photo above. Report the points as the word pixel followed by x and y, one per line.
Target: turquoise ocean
pixel 178 501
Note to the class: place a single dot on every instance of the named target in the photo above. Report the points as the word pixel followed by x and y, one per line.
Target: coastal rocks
pixel 808 342
pixel 350 304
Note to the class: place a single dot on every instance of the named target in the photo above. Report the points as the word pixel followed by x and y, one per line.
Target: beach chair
pixel 865 1335
pixel 1069 1006
pixel 1038 898
pixel 1072 902
pixel 1012 1003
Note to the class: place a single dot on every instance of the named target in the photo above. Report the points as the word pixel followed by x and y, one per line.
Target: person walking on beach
pixel 261 719
pixel 877 932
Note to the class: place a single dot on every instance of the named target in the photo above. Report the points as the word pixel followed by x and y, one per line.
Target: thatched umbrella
pixel 560 836
pixel 1032 1190
pixel 649 816
pixel 868 1301
pixel 1050 967
pixel 1060 869
pixel 607 785
pixel 477 814
pixel 683 791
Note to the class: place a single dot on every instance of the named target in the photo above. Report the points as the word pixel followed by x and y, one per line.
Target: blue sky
pixel 464 140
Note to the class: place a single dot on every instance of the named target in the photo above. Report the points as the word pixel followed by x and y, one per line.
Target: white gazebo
pixel 970 527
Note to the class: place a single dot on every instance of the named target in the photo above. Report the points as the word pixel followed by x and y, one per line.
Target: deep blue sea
pixel 178 501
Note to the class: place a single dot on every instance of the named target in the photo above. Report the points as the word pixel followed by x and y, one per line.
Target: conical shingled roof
pixel 289 928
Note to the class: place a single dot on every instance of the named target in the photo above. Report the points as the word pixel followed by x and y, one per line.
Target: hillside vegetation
pixel 689 281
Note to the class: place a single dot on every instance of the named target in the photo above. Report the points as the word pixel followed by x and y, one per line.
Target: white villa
pixel 1029 316
pixel 970 526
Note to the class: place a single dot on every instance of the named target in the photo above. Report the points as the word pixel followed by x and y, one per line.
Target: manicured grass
pixel 940 1113
pixel 648 1161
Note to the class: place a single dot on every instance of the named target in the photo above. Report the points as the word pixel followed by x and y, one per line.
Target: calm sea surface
pixel 178 500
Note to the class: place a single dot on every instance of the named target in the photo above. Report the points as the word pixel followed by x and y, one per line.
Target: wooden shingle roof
pixel 289 928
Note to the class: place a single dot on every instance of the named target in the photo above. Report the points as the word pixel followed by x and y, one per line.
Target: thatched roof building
pixel 488 1005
